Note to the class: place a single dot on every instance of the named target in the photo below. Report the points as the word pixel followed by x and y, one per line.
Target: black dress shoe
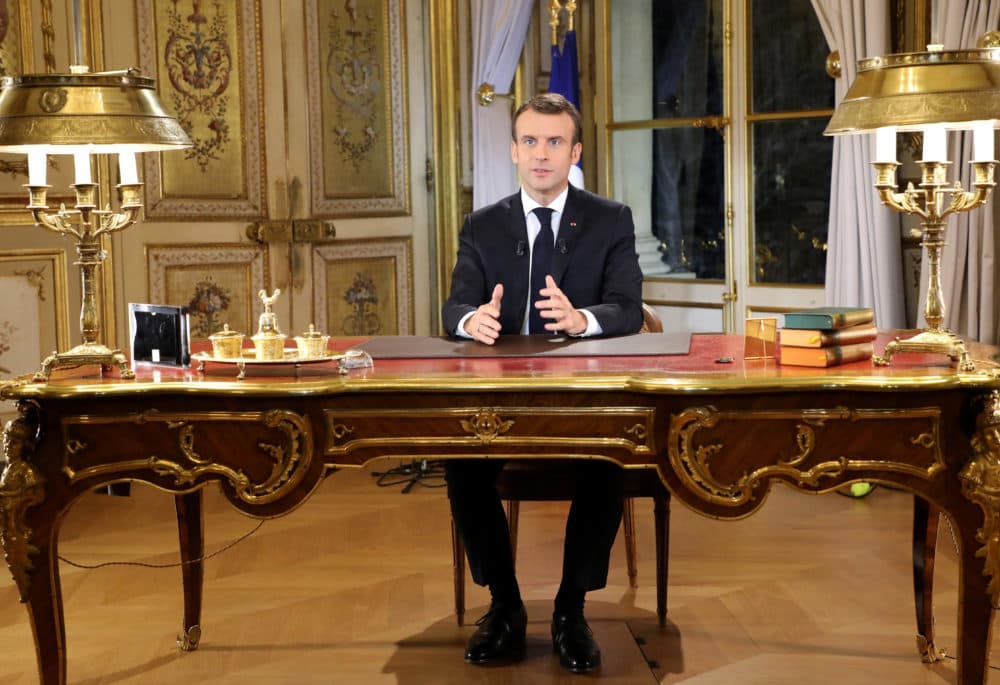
pixel 499 637
pixel 574 642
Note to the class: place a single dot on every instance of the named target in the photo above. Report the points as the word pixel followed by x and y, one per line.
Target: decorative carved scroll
pixel 21 487
pixel 981 484
pixel 486 425
pixel 702 438
pixel 288 460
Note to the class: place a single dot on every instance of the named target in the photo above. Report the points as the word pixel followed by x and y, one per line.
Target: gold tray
pixel 249 357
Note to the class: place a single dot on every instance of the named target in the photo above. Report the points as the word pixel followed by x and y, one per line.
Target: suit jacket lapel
pixel 569 231
pixel 516 292
pixel 516 226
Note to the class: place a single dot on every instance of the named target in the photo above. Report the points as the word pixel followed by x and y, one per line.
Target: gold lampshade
pixel 97 113
pixel 912 90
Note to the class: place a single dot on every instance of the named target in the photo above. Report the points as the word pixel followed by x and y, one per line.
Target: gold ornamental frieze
pixel 266 454
pixel 724 457
pixel 557 431
pixel 981 485
pixel 21 487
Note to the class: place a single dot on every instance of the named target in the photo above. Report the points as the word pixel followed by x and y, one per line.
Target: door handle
pixel 312 231
pixel 291 231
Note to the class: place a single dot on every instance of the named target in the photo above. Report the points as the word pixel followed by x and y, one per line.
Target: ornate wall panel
pixel 33 315
pixel 207 62
pixel 364 287
pixel 216 282
pixel 357 108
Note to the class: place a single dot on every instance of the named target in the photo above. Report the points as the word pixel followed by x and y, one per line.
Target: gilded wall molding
pixel 701 438
pixel 286 461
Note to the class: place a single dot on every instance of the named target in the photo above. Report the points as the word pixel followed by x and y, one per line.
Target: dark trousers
pixel 594 517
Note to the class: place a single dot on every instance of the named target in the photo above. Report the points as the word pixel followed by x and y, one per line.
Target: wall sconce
pixel 933 92
pixel 83 114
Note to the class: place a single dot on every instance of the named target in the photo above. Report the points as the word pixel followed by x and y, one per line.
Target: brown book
pixel 828 337
pixel 825 356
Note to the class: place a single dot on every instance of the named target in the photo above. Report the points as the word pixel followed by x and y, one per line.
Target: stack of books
pixel 827 336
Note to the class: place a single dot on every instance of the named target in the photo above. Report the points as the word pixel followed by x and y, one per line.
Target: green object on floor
pixel 860 489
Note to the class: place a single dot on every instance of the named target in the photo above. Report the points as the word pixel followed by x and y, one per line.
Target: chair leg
pixel 628 523
pixel 661 517
pixel 458 566
pixel 513 513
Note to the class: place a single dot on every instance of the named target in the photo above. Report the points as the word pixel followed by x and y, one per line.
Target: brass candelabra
pixel 928 202
pixel 87 225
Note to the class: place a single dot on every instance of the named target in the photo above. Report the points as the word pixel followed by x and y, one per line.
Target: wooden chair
pixel 546 480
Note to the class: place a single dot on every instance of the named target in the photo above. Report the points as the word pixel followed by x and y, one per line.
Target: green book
pixel 829 317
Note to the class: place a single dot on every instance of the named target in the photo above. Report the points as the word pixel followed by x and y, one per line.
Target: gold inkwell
pixel 312 343
pixel 227 344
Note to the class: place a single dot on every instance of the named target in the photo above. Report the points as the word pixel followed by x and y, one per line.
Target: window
pixel 713 126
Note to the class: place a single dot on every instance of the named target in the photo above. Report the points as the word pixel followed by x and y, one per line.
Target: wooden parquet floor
pixel 355 587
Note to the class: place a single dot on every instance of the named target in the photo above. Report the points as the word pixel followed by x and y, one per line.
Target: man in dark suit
pixel 550 259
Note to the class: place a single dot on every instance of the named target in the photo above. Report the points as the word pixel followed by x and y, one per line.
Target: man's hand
pixel 558 308
pixel 484 325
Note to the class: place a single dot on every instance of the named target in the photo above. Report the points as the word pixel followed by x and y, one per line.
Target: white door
pixel 307 173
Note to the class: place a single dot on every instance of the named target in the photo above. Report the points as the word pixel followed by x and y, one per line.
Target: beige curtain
pixel 864 256
pixel 968 268
pixel 499 28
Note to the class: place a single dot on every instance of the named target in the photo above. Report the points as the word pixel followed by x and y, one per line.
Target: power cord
pixel 204 557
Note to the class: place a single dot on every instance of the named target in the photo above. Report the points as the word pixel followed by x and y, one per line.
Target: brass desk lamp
pixel 932 92
pixel 83 114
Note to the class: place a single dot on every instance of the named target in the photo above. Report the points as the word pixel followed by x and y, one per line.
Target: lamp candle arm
pixel 116 221
pixel 57 223
pixel 907 201
pixel 983 184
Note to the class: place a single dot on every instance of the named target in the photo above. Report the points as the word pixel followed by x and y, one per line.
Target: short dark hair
pixel 550 103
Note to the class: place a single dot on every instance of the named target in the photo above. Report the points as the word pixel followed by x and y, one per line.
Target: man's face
pixel 544 152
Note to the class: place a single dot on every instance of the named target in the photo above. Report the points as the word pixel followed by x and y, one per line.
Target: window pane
pixel 675 45
pixel 674 181
pixel 789 58
pixel 792 161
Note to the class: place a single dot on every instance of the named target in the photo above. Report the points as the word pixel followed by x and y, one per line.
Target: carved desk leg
pixel 190 526
pixel 30 551
pixel 925 527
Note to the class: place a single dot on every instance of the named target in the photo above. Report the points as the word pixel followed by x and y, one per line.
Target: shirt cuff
pixel 460 331
pixel 593 328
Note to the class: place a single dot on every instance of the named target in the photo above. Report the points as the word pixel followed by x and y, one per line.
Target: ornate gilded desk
pixel 720 434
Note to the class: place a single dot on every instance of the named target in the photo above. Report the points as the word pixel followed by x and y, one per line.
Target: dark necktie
pixel 541 265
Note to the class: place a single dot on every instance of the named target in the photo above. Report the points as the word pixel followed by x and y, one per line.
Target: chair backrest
pixel 651 322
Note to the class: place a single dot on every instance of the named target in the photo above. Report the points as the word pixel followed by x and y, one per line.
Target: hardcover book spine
pixel 803 337
pixel 825 356
pixel 822 321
